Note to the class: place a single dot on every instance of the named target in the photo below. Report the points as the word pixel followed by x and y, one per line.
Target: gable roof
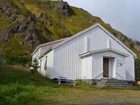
pixel 106 31
pixel 49 44
pixel 66 40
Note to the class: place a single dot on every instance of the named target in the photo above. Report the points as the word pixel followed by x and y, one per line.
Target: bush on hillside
pixel 10 59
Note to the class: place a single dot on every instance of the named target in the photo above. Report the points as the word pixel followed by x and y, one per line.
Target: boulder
pixel 65 8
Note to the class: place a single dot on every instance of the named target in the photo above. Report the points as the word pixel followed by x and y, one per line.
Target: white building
pixel 91 54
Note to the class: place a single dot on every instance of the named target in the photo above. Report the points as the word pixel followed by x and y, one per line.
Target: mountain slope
pixel 26 23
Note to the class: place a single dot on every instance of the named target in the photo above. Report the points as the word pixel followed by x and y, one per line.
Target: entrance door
pixel 105 67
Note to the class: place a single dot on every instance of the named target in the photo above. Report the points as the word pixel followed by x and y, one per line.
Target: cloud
pixel 123 15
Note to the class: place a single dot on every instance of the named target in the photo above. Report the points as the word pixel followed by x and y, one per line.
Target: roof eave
pixel 103 50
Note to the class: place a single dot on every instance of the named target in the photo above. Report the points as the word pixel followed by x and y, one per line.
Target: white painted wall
pixel 98 65
pixel 112 67
pixel 86 67
pixel 36 55
pixel 48 70
pixel 68 63
pixel 40 51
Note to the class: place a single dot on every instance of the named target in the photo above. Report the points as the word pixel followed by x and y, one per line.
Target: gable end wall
pixel 66 57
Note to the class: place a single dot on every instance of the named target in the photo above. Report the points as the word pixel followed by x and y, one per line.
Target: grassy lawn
pixel 19 87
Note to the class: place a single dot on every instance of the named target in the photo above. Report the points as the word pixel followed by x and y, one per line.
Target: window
pixel 86 44
pixel 40 63
pixel 108 43
pixel 45 66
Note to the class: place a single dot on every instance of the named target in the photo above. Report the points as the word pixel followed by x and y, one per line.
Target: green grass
pixel 19 87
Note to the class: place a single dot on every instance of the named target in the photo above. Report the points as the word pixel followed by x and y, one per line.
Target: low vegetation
pixel 137 67
pixel 137 62
pixel 20 87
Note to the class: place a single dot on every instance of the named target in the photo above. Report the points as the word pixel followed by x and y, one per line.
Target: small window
pixel 45 66
pixel 40 63
pixel 108 43
pixel 86 44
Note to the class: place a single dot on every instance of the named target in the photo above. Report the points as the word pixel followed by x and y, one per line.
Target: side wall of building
pixel 47 64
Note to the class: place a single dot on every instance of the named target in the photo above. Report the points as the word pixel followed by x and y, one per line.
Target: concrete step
pixel 112 80
pixel 112 83
pixel 119 86
pixel 125 83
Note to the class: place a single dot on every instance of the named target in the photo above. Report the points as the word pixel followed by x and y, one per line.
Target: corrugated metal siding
pixel 68 63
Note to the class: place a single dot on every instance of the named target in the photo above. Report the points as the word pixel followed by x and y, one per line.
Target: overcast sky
pixel 123 15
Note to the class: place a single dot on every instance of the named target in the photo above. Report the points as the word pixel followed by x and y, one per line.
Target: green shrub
pixel 34 66
pixel 137 66
pixel 10 59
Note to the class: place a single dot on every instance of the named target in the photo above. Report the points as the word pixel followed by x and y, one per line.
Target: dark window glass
pixel 45 67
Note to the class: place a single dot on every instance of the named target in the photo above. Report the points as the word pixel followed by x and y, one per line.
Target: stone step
pixel 112 80
pixel 119 86
pixel 101 82
pixel 112 83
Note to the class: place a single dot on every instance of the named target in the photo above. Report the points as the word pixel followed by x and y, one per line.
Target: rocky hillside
pixel 26 23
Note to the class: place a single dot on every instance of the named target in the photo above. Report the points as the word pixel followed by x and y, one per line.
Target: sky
pixel 123 15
